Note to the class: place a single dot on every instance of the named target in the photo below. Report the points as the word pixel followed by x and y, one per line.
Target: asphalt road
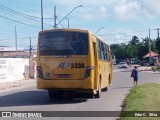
pixel 31 99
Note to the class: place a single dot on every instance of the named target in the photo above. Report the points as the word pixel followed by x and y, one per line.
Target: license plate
pixel 63 75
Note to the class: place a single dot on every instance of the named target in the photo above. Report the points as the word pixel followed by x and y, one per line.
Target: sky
pixel 116 21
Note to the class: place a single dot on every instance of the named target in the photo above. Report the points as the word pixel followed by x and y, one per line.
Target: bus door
pixel 95 65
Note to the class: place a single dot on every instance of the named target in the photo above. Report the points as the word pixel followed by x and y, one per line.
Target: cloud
pixel 151 8
pixel 83 2
pixel 125 10
pixel 121 39
pixel 99 13
pixel 92 9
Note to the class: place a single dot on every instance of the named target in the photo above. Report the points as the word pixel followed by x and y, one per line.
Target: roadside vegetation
pixel 156 68
pixel 144 97
pixel 135 48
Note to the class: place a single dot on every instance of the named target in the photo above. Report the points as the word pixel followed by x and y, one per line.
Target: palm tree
pixel 134 40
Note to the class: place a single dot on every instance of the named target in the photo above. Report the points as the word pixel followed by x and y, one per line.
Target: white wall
pixel 32 67
pixel 12 69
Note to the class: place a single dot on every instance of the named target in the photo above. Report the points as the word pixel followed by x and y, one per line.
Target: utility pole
pixel 42 14
pixel 158 32
pixel 16 39
pixel 149 47
pixel 55 24
pixel 30 47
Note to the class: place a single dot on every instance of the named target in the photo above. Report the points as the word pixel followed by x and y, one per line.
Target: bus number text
pixel 77 65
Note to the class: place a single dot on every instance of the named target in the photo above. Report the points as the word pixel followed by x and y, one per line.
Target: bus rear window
pixel 63 43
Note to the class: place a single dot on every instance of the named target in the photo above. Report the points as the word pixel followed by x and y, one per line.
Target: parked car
pixel 122 65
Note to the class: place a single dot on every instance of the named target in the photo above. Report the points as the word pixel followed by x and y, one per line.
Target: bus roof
pixel 101 39
pixel 66 29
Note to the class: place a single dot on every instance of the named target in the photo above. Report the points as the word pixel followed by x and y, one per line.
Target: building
pixel 10 52
pixel 16 65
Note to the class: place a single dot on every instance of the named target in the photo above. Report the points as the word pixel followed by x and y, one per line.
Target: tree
pixel 134 41
pixel 153 45
pixel 158 45
pixel 119 51
pixel 142 50
pixel 135 48
pixel 131 51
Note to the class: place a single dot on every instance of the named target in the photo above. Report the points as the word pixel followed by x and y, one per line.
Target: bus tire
pixel 105 89
pixel 51 94
pixel 90 95
pixel 55 94
pixel 98 94
pixel 59 94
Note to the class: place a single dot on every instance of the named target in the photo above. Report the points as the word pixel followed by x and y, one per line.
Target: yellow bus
pixel 73 60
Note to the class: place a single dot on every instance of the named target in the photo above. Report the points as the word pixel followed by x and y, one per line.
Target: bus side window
pixel 99 50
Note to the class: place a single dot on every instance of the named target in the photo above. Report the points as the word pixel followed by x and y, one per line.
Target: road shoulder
pixel 7 86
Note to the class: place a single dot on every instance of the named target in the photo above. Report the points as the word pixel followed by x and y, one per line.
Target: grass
pixel 156 68
pixel 144 97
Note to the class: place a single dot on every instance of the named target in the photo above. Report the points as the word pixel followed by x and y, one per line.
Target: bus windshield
pixel 63 43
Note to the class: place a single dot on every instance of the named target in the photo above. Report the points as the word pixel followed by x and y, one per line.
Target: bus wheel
pixel 51 94
pixel 59 94
pixel 105 89
pixel 90 95
pixel 97 95
pixel 55 94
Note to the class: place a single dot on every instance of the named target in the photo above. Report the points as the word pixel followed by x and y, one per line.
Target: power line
pixel 125 33
pixel 17 38
pixel 20 15
pixel 19 22
pixel 6 39
pixel 7 11
pixel 18 12
pixel 60 23
pixel 21 34
pixel 49 18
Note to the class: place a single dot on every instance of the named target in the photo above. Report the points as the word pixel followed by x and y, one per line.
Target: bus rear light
pixel 88 71
pixel 89 67
pixel 39 72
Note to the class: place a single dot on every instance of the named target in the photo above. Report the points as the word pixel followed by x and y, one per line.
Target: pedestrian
pixel 134 74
